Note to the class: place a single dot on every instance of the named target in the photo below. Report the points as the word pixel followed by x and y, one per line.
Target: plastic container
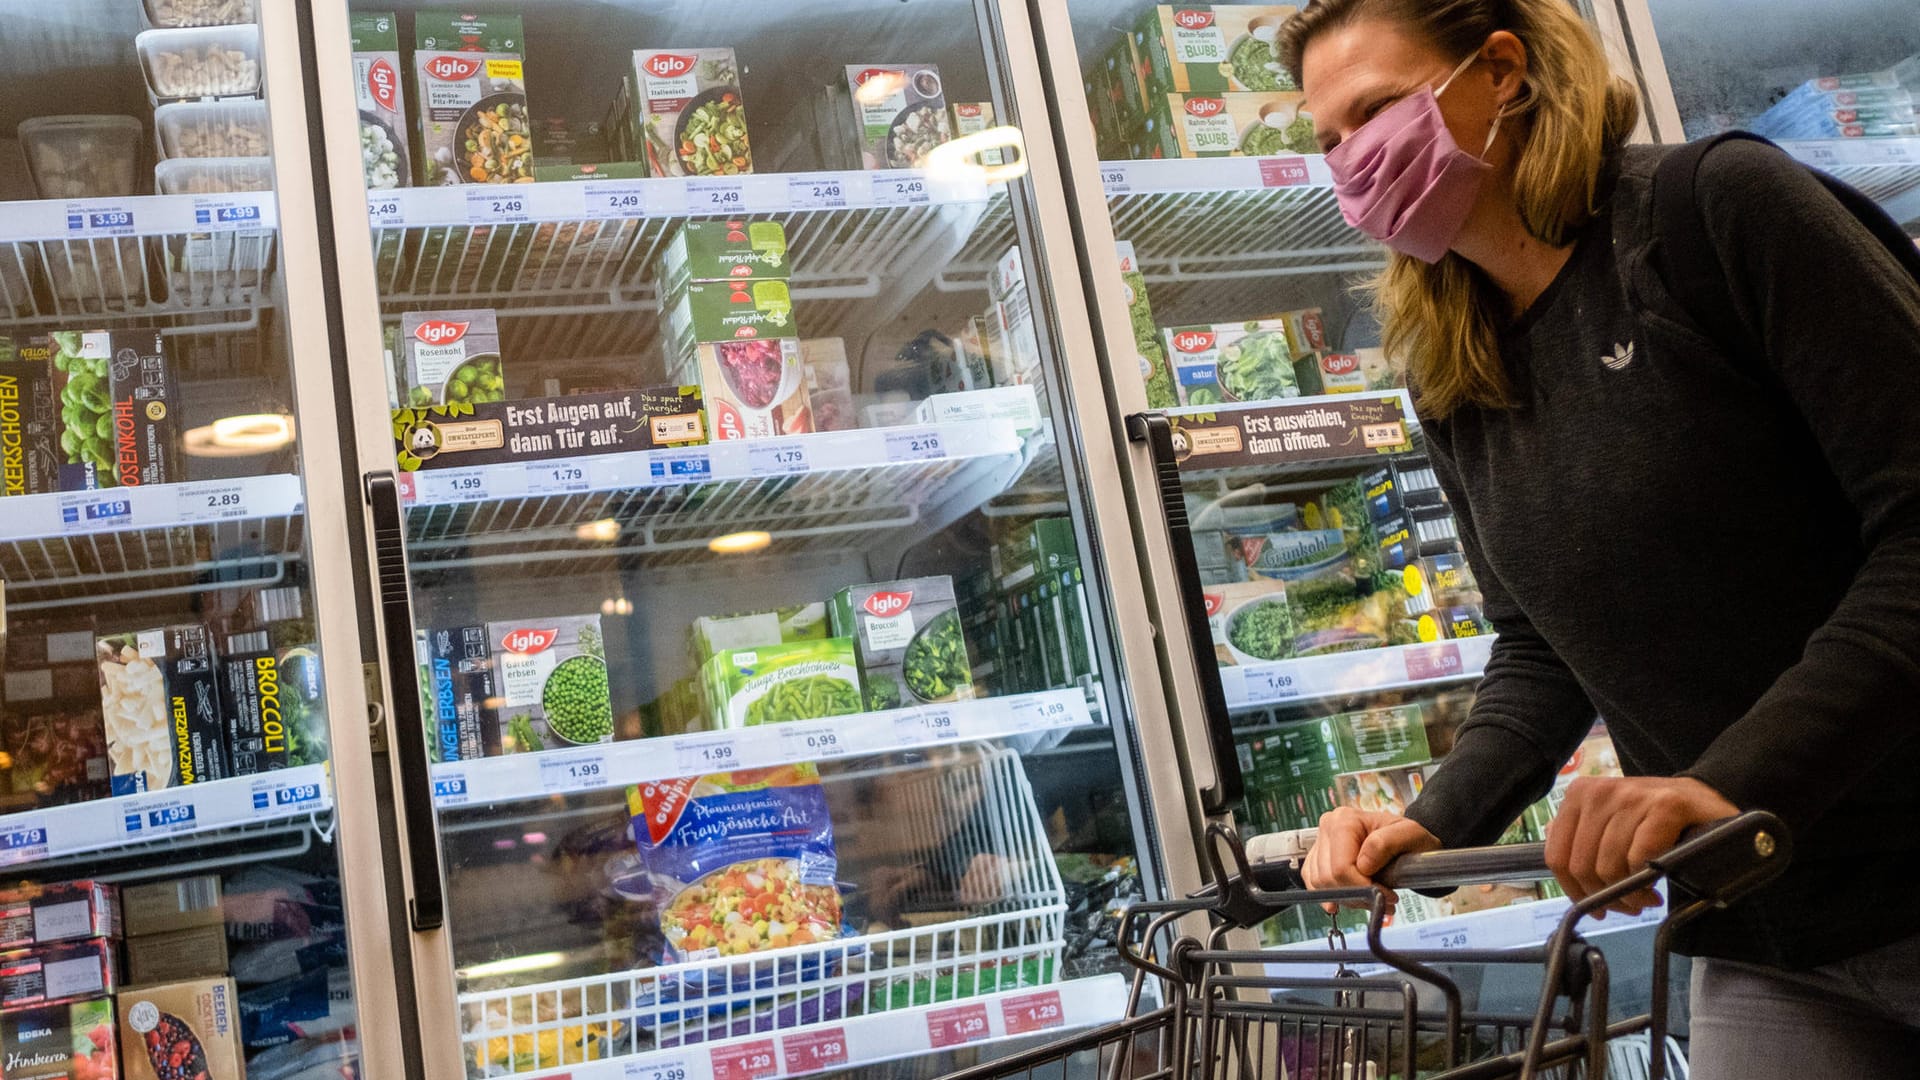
pixel 212 129
pixel 170 13
pixel 200 62
pixel 82 157
pixel 208 176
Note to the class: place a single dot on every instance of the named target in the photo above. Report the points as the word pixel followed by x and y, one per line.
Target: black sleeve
pixel 1528 716
pixel 1840 321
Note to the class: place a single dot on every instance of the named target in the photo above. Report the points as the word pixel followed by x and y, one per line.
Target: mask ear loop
pixel 1512 108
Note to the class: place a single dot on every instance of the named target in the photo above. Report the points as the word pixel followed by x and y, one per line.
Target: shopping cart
pixel 1202 1011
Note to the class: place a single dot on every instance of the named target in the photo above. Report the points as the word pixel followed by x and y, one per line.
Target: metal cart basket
pixel 1202 1011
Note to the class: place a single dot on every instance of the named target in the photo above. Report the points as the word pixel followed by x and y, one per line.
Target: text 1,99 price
pixel 695 756
pixel 574 772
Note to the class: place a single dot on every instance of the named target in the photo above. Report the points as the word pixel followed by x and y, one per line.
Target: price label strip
pixel 720 196
pixel 557 478
pixel 810 742
pixel 910 190
pixel 1034 714
pixel 1441 661
pixel 672 1069
pixel 615 199
pixel 958 1026
pixel 1284 172
pixel 824 191
pixel 85 221
pixel 679 468
pixel 449 789
pixel 776 459
pixel 496 207
pixel 914 445
pixel 95 511
pixel 926 725
pixel 812 1051
pixel 1116 178
pixel 228 215
pixel 747 1061
pixel 1440 936
pixel 1266 682
pixel 1032 1012
pixel 294 797
pixel 223 503
pixel 385 211
pixel 714 753
pixel 140 823
pixel 574 772
pixel 23 841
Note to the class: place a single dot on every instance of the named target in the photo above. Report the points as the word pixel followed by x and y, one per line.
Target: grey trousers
pixel 1858 1019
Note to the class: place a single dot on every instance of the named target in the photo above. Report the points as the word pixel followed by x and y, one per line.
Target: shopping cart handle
pixel 1728 859
pixel 1466 866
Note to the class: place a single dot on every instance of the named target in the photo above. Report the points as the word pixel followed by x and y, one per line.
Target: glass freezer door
pixel 754 669
pixel 184 832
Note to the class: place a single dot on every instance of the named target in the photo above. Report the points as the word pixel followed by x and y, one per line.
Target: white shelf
pixel 152 506
pixel 1168 175
pixel 54 832
pixel 719 462
pixel 43 220
pixel 615 765
pixel 1309 678
pixel 664 197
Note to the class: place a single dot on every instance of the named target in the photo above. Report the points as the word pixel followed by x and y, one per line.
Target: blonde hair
pixel 1573 114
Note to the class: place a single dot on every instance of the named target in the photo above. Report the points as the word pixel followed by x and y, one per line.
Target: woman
pixel 1716 549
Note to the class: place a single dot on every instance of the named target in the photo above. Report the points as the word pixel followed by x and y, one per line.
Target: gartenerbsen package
pixel 552 677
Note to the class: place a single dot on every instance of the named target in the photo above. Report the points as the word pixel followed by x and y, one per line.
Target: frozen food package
pixel 61 971
pixel 117 395
pixel 1250 620
pixel 829 383
pixel 692 118
pixel 29 420
pixel 182 1029
pixel 148 747
pixel 551 674
pixel 1239 125
pixel 451 357
pixel 900 112
pixel 74 1041
pixel 81 157
pixel 723 249
pixel 34 913
pixel 908 637
pixel 469 74
pixel 1213 47
pixel 200 12
pixel 972 118
pixel 712 634
pixel 712 861
pixel 201 61
pixel 377 94
pixel 772 684
pixel 235 128
pixel 1218 363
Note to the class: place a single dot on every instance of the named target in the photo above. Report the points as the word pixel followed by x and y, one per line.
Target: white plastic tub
pixel 200 62
pixel 212 129
pixel 169 13
pixel 82 157
pixel 208 176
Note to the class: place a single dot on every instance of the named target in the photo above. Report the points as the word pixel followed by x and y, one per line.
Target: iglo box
pixel 474 125
pixel 552 677
pixel 376 91
pixel 801 680
pixel 451 357
pixel 1213 47
pixel 33 914
pixel 1240 125
pixel 1223 362
pixel 908 637
pixel 900 113
pixel 691 118
pixel 202 1015
pixel 723 250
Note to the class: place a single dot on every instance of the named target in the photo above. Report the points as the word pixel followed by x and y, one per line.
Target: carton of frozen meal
pixel 770 684
pixel 160 702
pixel 189 1029
pixel 377 94
pixel 458 665
pixel 692 120
pixel 469 75
pixel 829 383
pixel 29 419
pixel 971 118
pixel 1214 47
pixel 116 394
pixel 723 250
pixel 900 112
pixel 451 357
pixel 1240 124
pixel 1224 362
pixel 552 678
pixel 909 640
pixel 738 340
pixel 74 1041
pixel 713 634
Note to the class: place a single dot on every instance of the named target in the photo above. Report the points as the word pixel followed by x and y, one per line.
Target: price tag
pixel 825 191
pixel 161 820
pixel 1116 177
pixel 1440 661
pixel 615 199
pixel 747 1061
pixel 1266 682
pixel 95 511
pixel 957 1026
pixel 385 211
pixel 809 742
pixel 812 1051
pixel 91 219
pixel 500 205
pixel 713 753
pixel 719 195
pixel 288 797
pixel 557 477
pixel 1284 172
pixel 1391 433
pixel 1441 936
pixel 221 503
pixel 679 468
pixel 449 789
pixel 1032 1012
pixel 1031 714
pixel 228 214
pixel 776 459
pixel 573 772
pixel 925 725
pixel 901 190
pixel 909 444
pixel 23 841
pixel 670 1069
pixel 462 486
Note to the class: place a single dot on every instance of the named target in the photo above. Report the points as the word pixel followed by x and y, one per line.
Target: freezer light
pixel 604 531
pixel 616 605
pixel 238 436
pixel 515 965
pixel 740 543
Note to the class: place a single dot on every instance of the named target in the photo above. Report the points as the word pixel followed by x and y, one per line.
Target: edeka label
pixel 1317 430
pixel 534 429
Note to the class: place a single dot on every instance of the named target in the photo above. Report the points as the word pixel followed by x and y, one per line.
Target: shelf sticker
pixel 811 1051
pixel 557 478
pixel 1441 936
pixel 1388 434
pixel 174 817
pixel 94 511
pixel 87 220
pixel 680 468
pixel 776 458
pixel 747 1061
pixel 295 797
pixel 1286 433
pixel 496 206
pixel 1116 177
pixel 657 1069
pixel 1439 661
pixel 221 502
pixel 385 211
pixel 1269 683
pixel 811 742
pixel 914 444
pixel 909 190
pixel 24 840
pixel 924 725
pixel 957 1026
pixel 1037 713
pixel 228 214
pixel 712 753
pixel 615 199
pixel 573 772
pixel 461 485
pixel 827 191
pixel 449 789
pixel 716 196
pixel 1284 172
pixel 1032 1012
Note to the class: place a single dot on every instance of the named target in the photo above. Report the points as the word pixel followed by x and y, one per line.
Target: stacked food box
pixel 88 409
pixel 1198 80
pixel 59 967
pixel 731 327
pixel 514 686
pixel 1028 615
pixel 1867 105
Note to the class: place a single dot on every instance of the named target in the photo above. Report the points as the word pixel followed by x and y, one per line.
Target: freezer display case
pixel 1327 623
pixel 1837 85
pixel 181 757
pixel 757 699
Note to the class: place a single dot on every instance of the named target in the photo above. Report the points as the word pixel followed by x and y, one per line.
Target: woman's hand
pixel 1609 826
pixel 1353 845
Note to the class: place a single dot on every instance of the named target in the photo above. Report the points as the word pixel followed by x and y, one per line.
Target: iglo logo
pixel 1193 341
pixel 1340 363
pixel 1190 19
pixel 885 605
pixel 440 331
pixel 1206 106
pixel 383 85
pixel 1215 602
pixel 452 68
pixel 668 65
pixel 528 641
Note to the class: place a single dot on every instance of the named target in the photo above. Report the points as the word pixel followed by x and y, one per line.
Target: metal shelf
pixel 589 768
pixel 135 822
pixel 125 542
pixel 1888 170
pixel 1312 678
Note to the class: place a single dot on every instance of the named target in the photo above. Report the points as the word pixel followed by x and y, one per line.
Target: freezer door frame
pixel 1626 26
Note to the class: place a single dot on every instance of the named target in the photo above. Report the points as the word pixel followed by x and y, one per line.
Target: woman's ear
pixel 1506 59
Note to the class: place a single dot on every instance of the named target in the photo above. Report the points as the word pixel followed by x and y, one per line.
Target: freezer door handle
pixel 1156 432
pixel 407 727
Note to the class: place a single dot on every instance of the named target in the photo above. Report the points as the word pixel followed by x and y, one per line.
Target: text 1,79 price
pixel 574 772
pixel 812 1051
pixel 957 1026
pixel 23 843
pixel 1032 1012
pixel 747 1061
pixel 776 459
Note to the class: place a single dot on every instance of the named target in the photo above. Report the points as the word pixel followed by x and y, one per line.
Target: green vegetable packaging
pixel 770 684
pixel 909 640
pixel 552 679
pixel 116 396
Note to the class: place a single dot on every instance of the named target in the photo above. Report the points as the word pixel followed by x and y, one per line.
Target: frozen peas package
pixel 739 862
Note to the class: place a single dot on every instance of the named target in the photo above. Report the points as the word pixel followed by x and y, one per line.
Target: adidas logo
pixel 1619 358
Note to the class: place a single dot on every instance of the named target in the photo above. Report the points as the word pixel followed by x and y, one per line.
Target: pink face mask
pixel 1403 181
